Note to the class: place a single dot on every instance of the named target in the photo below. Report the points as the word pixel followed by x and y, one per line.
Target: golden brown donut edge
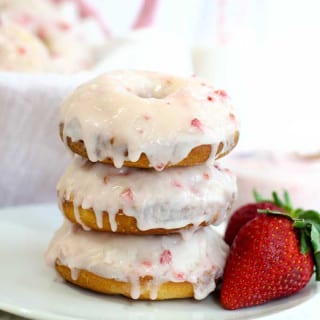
pixel 91 281
pixel 197 155
pixel 125 224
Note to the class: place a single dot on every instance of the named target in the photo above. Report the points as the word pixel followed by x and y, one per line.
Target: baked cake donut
pixel 20 50
pixel 129 200
pixel 149 267
pixel 146 119
pixel 58 36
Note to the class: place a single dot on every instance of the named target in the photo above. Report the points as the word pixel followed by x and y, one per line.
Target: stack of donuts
pixel 144 188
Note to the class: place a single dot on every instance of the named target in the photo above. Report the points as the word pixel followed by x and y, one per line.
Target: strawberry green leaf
pixel 285 204
pixel 315 240
pixel 317 263
pixel 277 200
pixel 299 223
pixel 310 216
pixel 305 248
pixel 287 199
pixel 257 196
pixel 296 212
pixel 315 237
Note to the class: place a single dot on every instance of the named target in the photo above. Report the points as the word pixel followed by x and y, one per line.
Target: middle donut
pixel 127 200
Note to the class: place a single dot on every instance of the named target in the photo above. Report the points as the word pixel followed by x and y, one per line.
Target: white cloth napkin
pixel 32 156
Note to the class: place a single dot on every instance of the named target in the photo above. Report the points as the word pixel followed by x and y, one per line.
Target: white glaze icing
pixel 128 258
pixel 123 114
pixel 169 199
pixel 268 171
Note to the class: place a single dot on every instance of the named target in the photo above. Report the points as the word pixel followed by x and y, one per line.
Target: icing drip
pixel 154 291
pixel 160 112
pixel 99 220
pixel 171 199
pixel 74 273
pixel 76 212
pixel 135 288
pixel 199 261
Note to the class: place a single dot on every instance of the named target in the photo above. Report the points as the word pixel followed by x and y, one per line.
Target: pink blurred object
pixel 269 171
pixel 144 19
pixel 222 32
pixel 146 15
pixel 86 10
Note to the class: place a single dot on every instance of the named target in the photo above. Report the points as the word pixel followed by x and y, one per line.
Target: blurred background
pixel 265 53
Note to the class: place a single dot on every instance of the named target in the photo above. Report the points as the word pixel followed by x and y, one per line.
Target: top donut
pixel 145 119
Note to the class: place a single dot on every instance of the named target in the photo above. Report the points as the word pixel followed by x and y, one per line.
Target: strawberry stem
pixel 257 196
pixel 286 204
pixel 287 199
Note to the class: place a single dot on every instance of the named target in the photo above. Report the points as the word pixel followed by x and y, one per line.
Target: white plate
pixel 29 288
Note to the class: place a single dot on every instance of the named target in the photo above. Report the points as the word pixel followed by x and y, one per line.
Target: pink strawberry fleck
pixel 232 117
pixel 21 50
pixel 147 263
pixel 209 98
pixel 165 257
pixel 127 195
pixel 176 183
pixel 160 166
pixel 221 93
pixel 179 275
pixel 42 32
pixel 197 124
pixel 206 176
pixel 24 19
pixel 139 130
pixel 194 190
pixel 146 117
pixel 63 26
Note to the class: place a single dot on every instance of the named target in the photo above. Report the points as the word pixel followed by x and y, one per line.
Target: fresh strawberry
pixel 272 256
pixel 249 211
pixel 243 215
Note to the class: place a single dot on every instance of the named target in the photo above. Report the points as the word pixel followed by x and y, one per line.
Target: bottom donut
pixel 147 268
pixel 89 280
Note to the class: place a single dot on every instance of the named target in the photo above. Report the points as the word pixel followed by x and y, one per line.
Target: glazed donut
pixel 129 200
pixel 20 50
pixel 149 267
pixel 147 119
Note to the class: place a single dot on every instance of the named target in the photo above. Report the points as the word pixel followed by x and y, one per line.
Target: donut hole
pixel 156 90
